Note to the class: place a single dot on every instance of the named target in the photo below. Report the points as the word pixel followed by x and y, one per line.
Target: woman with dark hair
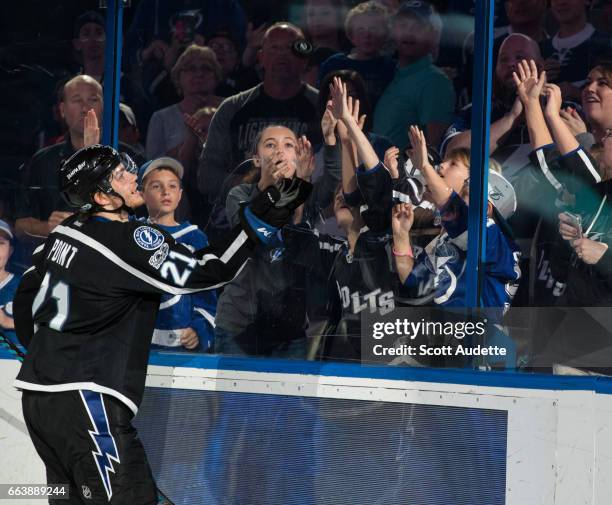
pixel 597 100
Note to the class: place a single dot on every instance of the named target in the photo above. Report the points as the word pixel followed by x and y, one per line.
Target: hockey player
pixel 86 311
pixel 184 321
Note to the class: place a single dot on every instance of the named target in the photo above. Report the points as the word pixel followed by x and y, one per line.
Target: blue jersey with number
pixel 443 262
pixel 177 312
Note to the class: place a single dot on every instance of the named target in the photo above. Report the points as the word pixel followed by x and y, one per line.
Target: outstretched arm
pixel 349 115
pixel 529 88
pixel 439 190
pixel 564 138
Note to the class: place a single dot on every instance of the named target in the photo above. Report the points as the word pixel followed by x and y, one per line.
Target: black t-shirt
pixel 297 113
pixel 577 54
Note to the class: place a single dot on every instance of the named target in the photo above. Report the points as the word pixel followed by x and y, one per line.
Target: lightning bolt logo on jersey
pixel 105 452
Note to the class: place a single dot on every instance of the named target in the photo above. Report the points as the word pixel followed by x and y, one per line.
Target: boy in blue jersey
pixel 183 321
pixel 8 284
pixel 444 259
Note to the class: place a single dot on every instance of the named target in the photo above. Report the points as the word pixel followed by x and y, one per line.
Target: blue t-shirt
pixel 8 288
pixel 377 72
pixel 443 262
pixel 178 312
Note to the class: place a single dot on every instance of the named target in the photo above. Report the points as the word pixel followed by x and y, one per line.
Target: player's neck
pixel 114 216
pixel 3 274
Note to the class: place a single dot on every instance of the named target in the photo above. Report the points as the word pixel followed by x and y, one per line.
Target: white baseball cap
pixel 502 195
pixel 163 162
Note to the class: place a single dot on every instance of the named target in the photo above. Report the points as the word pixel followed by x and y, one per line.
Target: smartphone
pixel 575 220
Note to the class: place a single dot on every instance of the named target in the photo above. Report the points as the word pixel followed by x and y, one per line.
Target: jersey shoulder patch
pixel 148 238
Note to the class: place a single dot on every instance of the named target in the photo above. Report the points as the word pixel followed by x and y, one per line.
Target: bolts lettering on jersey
pixel 374 301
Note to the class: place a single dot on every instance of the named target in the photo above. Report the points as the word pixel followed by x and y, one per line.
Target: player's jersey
pixel 86 309
pixel 444 260
pixel 177 312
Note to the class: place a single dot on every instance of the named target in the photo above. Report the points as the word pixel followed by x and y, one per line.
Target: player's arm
pixel 163 265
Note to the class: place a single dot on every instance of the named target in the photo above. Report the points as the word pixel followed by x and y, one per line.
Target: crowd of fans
pixel 369 101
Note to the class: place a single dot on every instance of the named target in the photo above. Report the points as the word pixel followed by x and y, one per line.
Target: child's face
pixel 454 172
pixel 412 37
pixel 277 145
pixel 5 250
pixel 161 192
pixel 368 34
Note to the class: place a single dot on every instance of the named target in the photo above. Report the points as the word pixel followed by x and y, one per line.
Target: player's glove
pixel 273 207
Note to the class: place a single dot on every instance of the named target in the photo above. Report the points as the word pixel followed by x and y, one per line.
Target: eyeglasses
pixel 192 69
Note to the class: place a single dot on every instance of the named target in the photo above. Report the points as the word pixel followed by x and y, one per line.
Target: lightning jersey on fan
pixel 443 261
pixel 178 312
pixel 87 308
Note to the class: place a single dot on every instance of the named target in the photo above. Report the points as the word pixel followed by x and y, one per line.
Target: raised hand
pixel 402 218
pixel 328 125
pixel 573 121
pixel 418 154
pixel 305 159
pixel 554 100
pixel 528 84
pixel 91 130
pixel 340 100
pixel 390 161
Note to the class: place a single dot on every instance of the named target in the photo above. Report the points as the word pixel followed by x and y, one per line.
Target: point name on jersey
pixel 62 253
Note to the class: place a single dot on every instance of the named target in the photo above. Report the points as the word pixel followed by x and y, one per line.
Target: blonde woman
pixel 195 75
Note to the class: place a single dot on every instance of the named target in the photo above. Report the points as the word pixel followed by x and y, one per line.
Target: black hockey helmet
pixel 88 171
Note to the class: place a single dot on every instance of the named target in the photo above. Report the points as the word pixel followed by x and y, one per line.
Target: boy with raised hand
pixel 445 258
pixel 366 27
pixel 183 321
